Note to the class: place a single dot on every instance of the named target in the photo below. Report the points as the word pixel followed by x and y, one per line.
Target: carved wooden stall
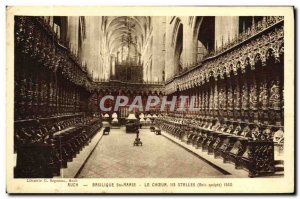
pixel 240 100
pixel 52 119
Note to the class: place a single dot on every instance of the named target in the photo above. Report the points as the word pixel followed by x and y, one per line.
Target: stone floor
pixel 115 157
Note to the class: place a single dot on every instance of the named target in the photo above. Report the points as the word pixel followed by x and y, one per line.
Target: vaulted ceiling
pixel 116 28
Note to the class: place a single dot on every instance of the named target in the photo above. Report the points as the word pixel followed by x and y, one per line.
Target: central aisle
pixel 115 157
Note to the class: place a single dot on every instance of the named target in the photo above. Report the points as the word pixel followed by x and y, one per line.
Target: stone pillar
pixel 170 49
pixel 158 53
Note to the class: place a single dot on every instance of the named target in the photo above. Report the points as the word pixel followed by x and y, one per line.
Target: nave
pixel 157 158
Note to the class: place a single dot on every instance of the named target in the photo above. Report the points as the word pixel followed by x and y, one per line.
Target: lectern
pixel 132 124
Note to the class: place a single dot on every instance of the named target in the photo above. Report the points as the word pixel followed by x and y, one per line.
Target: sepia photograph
pixel 169 100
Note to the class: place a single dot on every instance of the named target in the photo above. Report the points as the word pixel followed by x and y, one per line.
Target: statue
pixel 206 101
pixel 216 100
pixel 222 100
pixel 245 97
pixel 211 100
pixel 263 96
pixel 229 98
pixel 274 102
pixel 237 98
pixel 253 96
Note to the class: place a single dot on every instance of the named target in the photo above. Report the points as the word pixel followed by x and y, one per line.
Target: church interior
pixel 64 65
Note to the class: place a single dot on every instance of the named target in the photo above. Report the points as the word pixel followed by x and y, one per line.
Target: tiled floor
pixel 116 157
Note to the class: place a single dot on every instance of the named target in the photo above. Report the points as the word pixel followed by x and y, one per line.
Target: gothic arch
pixel 178 48
pixel 203 37
pixel 177 23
